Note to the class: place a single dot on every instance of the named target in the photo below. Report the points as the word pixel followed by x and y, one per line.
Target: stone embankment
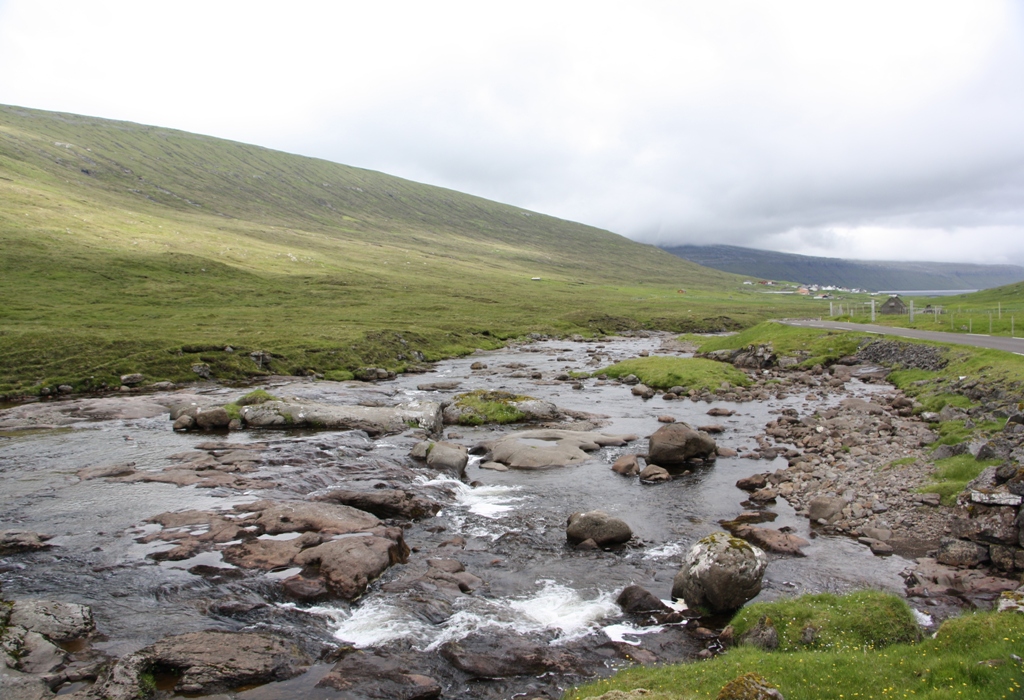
pixel 862 468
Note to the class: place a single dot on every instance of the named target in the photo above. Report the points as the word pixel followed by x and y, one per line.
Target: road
pixel 995 342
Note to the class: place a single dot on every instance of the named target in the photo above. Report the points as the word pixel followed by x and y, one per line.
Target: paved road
pixel 995 342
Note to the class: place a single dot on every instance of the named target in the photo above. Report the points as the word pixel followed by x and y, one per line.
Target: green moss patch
pixel 480 406
pixel 667 372
pixel 256 397
pixel 953 474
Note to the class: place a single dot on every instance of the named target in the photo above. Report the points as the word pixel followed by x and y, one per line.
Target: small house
pixel 893 305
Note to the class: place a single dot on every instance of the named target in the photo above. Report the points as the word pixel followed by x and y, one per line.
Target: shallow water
pixel 513 522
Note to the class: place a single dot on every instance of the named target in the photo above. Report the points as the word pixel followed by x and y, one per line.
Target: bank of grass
pixel 952 475
pixel 667 372
pixel 813 345
pixel 953 432
pixel 865 656
pixel 933 389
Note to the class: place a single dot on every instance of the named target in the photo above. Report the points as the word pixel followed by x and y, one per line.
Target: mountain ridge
pixel 873 275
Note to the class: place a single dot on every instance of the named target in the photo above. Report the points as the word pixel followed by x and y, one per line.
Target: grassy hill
pixel 133 248
pixel 873 275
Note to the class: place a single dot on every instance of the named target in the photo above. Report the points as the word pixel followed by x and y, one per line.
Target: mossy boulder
pixel 720 573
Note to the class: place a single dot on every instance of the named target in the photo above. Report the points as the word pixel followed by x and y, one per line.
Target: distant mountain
pixel 873 275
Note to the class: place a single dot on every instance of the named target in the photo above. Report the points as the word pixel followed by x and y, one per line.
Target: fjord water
pixel 509 526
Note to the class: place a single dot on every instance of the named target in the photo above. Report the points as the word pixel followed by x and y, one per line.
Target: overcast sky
pixel 886 130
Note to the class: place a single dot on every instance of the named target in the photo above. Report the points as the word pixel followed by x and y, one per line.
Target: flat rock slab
pixel 103 471
pixel 536 449
pixel 771 540
pixel 385 503
pixel 492 656
pixel 373 674
pixel 210 662
pixel 55 620
pixel 374 420
pixel 440 386
pixel 275 518
pixel 56 414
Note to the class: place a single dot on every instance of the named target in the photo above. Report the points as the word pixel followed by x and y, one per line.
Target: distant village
pixel 893 304
pixel 815 290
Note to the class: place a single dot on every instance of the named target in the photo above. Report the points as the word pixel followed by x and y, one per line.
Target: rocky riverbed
pixel 343 541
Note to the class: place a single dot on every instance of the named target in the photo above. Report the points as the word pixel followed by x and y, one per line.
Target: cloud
pixel 866 129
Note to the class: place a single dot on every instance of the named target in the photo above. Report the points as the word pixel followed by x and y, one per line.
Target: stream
pixel 507 528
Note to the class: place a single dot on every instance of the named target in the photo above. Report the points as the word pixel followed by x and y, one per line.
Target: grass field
pixel 132 248
pixel 863 647
pixel 998 311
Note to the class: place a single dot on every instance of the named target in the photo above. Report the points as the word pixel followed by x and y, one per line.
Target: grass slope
pixel 134 248
pixel 862 646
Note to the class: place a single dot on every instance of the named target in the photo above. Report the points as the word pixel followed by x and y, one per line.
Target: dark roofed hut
pixel 893 305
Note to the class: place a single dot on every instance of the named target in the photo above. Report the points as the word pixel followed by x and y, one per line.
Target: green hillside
pixel 134 248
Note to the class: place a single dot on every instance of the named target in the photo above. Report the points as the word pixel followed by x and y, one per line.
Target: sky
pixel 863 129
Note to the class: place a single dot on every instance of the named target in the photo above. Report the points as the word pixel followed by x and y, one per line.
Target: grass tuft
pixel 858 621
pixel 667 372
pixel 953 474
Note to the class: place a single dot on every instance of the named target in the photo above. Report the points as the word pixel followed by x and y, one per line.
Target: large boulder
pixel 212 417
pixel 721 573
pixel 638 600
pixel 598 526
pixel 825 508
pixel 448 457
pixel 627 465
pixel 349 564
pixel 986 524
pixel 675 444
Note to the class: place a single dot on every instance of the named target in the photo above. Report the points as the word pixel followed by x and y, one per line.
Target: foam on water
pixel 564 609
pixel 378 622
pixel 491 501
pixel 555 610
pixel 628 633
pixel 665 551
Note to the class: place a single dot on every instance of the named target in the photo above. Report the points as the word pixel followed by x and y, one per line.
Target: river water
pixel 510 526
